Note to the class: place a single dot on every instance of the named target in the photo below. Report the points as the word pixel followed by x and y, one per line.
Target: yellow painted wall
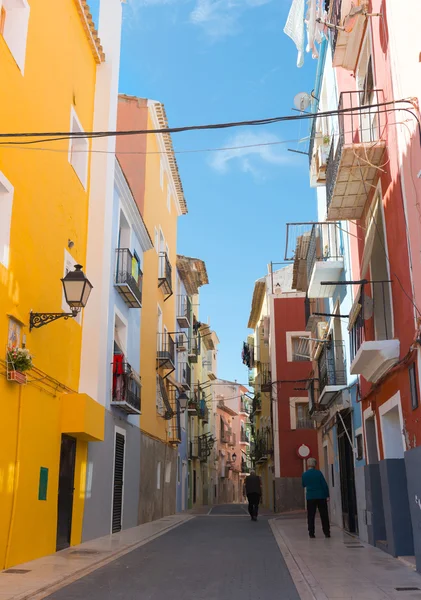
pixel 156 214
pixel 50 206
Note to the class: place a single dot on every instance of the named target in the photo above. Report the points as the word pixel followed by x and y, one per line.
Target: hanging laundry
pixel 311 23
pixel 294 28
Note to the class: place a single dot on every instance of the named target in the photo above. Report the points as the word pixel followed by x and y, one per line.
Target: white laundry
pixel 311 23
pixel 294 28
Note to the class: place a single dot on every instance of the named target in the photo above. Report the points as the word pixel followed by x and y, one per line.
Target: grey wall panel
pixel 413 476
pixel 361 503
pixel 376 528
pixel 396 507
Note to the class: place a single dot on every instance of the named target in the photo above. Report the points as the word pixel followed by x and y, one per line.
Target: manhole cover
pixel 84 552
pixel 407 589
pixel 17 571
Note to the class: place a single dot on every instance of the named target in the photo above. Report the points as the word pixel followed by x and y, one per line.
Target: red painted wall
pixel 290 316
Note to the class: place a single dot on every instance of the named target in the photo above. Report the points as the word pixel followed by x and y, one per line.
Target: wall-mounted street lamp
pixel 183 400
pixel 234 457
pixel 76 288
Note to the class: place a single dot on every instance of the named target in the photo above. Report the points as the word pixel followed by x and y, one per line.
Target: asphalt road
pixel 215 557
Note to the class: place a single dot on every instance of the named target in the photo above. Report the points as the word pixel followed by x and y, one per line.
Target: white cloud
pixel 250 157
pixel 220 18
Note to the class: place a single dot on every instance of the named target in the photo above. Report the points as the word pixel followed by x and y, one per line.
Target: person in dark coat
pixel 317 494
pixel 253 491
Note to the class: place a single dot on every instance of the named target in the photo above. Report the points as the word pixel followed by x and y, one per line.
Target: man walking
pixel 317 493
pixel 253 490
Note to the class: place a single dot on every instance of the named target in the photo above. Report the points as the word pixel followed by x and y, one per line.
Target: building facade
pixel 157 189
pixel 45 206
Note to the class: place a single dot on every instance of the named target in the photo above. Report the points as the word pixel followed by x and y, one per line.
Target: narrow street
pixel 242 556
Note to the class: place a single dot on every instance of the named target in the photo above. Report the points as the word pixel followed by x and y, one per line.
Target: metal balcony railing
pixel 183 311
pixel 165 274
pixel 184 375
pixel 335 19
pixel 244 437
pixel 244 467
pixel 165 350
pixel 262 446
pixel 244 407
pixel 331 363
pixel 265 377
pixel 205 445
pixel 305 424
pixel 362 124
pixel 194 348
pixel 128 278
pixel 126 390
pixel 325 244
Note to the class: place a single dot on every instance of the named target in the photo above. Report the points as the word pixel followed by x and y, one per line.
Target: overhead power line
pixel 60 135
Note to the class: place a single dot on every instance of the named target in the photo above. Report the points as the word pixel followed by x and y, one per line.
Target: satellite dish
pixel 302 101
pixel 368 307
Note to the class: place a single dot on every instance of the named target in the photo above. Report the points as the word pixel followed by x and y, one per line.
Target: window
pixel 360 446
pixel 6 203
pixel 158 476
pixel 168 472
pixel 169 199
pixel 413 384
pixel 302 416
pixel 120 335
pixel 14 21
pixel 161 175
pixel 299 349
pixel 78 150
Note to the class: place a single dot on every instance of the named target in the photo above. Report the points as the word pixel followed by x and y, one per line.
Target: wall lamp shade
pixel 183 400
pixel 77 288
pixel 234 457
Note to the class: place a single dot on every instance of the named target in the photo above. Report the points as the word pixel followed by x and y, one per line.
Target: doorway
pixel 118 482
pixel 66 490
pixel 347 475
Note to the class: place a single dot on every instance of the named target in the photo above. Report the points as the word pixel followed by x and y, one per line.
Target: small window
pixel 413 384
pixel 156 240
pixel 168 472
pixel 169 200
pixel 14 20
pixel 360 446
pixel 299 349
pixel 302 415
pixel 6 203
pixel 161 175
pixel 78 150
pixel 158 476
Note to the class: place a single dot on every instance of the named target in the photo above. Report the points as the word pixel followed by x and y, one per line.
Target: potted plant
pixel 19 360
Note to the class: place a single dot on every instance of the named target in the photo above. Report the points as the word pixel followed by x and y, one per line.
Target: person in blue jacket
pixel 317 494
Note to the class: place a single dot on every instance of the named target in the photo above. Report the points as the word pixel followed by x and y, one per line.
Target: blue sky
pixel 215 61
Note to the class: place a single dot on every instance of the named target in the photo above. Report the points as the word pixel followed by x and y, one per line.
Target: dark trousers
pixel 312 506
pixel 254 500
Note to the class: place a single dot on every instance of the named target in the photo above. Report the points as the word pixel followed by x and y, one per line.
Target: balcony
pixel 183 311
pixel 203 411
pixel 194 349
pixel 128 278
pixel 244 438
pixel 265 377
pixel 355 155
pixel 317 252
pixel 304 424
pixel 226 436
pixel 184 375
pixel 257 403
pixel 182 342
pixel 349 16
pixel 244 407
pixel 332 371
pixel 126 392
pixel 165 357
pixel 165 275
pixel 372 359
pixel 205 445
pixel 262 446
pixel 317 412
pixel 244 467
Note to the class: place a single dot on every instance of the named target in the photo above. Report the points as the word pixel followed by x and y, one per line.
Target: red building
pixel 291 368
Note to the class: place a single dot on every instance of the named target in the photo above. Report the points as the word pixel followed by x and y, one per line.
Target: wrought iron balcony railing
pixel 265 377
pixel 331 363
pixel 355 153
pixel 165 351
pixel 128 278
pixel 325 245
pixel 244 438
pixel 165 274
pixel 262 446
pixel 194 348
pixel 183 311
pixel 127 387
pixel 335 19
pixel 305 424
pixel 184 375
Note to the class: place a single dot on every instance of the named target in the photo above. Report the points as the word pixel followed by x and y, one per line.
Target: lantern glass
pixel 77 288
pixel 183 399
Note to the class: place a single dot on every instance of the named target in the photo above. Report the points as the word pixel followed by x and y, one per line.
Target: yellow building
pixel 49 57
pixel 261 380
pixel 157 189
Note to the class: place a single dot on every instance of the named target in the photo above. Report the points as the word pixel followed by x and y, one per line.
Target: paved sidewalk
pixel 42 576
pixel 341 567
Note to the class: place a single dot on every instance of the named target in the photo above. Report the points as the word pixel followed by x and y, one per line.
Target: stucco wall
pixel 289 494
pixel 99 480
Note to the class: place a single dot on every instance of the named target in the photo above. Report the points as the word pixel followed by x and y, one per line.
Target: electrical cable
pixel 59 136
